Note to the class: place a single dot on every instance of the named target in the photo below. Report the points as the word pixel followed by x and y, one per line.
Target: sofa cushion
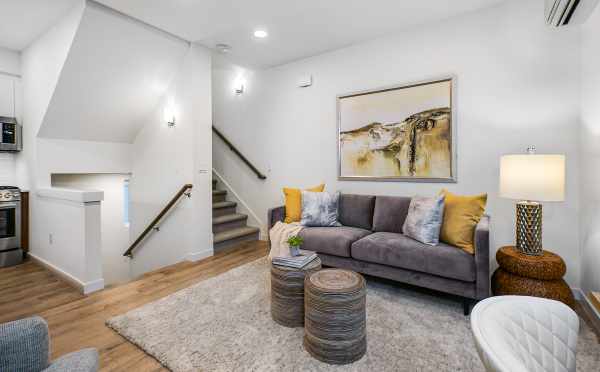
pixel 424 219
pixel 390 213
pixel 331 240
pixel 397 250
pixel 320 209
pixel 293 202
pixel 356 210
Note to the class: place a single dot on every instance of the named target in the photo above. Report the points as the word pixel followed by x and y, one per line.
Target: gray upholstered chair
pixel 25 347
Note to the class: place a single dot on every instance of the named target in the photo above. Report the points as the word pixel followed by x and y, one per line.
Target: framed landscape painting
pixel 401 133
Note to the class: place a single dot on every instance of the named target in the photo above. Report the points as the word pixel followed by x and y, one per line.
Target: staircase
pixel 229 227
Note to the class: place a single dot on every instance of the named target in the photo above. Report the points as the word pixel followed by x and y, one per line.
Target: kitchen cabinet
pixel 7 96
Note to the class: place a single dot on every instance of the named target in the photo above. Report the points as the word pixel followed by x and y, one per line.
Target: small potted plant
pixel 295 242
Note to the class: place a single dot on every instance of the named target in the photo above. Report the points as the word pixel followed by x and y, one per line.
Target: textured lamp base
pixel 529 228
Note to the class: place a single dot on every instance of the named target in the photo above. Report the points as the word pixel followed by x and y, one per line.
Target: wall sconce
pixel 238 86
pixel 170 116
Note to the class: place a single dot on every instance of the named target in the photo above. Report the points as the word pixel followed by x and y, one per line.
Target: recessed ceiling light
pixel 261 34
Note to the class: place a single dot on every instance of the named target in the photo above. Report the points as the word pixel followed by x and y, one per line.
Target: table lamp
pixel 531 179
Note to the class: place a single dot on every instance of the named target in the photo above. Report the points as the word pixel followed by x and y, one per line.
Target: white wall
pixel 590 154
pixel 164 159
pixel 10 105
pixel 116 72
pixel 67 216
pixel 57 66
pixel 115 232
pixel 10 62
pixel 70 156
pixel 42 63
pixel 517 85
pixel 69 239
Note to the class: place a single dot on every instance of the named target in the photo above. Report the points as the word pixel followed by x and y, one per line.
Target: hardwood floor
pixel 77 321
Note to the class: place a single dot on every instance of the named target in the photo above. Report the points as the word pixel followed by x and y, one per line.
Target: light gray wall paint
pixel 41 64
pixel 114 232
pixel 164 159
pixel 10 105
pixel 590 154
pixel 10 62
pixel 517 85
pixel 116 72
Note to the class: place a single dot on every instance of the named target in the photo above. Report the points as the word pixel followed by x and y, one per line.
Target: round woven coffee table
pixel 287 293
pixel 335 324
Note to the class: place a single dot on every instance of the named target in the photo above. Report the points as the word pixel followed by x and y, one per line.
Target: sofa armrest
pixel 24 345
pixel 274 215
pixel 482 257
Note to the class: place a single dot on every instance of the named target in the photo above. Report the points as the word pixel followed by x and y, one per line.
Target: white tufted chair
pixel 525 334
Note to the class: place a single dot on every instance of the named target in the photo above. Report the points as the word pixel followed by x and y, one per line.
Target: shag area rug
pixel 224 324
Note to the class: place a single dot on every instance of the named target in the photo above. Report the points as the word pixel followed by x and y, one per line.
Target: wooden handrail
pixel 239 154
pixel 156 220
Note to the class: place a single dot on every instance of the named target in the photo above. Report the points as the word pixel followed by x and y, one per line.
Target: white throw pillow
pixel 320 209
pixel 424 220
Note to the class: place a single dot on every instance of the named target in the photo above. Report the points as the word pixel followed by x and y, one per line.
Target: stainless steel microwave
pixel 10 134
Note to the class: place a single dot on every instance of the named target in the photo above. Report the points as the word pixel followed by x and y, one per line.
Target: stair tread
pixel 238 232
pixel 229 218
pixel 219 192
pixel 225 204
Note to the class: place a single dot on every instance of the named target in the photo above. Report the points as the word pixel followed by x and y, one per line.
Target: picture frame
pixel 399 133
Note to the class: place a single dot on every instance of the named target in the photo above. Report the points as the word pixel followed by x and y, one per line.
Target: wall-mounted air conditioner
pixel 568 12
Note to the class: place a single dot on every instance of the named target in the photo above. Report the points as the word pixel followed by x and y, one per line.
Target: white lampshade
pixel 532 177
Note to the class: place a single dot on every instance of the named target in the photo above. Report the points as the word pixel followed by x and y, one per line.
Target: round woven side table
pixel 539 276
pixel 335 325
pixel 287 293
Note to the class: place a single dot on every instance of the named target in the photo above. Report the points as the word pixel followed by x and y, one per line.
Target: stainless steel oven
pixel 10 226
pixel 10 134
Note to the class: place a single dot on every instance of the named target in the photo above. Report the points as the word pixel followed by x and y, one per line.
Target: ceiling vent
pixel 568 12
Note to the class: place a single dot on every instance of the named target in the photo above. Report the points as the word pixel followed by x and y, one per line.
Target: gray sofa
pixel 25 347
pixel 371 242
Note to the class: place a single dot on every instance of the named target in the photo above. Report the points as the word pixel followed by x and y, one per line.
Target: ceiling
pixel 297 29
pixel 23 21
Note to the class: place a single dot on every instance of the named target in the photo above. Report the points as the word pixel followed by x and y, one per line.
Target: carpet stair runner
pixel 229 227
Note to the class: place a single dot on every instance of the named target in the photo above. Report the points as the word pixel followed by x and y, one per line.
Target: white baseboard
pixel 83 287
pixel 93 286
pixel 577 293
pixel 197 256
pixel 581 297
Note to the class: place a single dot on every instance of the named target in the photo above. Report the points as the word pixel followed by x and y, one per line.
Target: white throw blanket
pixel 279 234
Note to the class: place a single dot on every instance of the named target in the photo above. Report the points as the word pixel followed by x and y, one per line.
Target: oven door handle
pixel 8 206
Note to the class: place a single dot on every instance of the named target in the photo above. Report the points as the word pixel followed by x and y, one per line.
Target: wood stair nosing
pixel 219 196
pixel 224 204
pixel 229 218
pixel 228 222
pixel 239 232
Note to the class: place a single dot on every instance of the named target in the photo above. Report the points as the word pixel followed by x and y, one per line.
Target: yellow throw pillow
pixel 461 216
pixel 293 202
